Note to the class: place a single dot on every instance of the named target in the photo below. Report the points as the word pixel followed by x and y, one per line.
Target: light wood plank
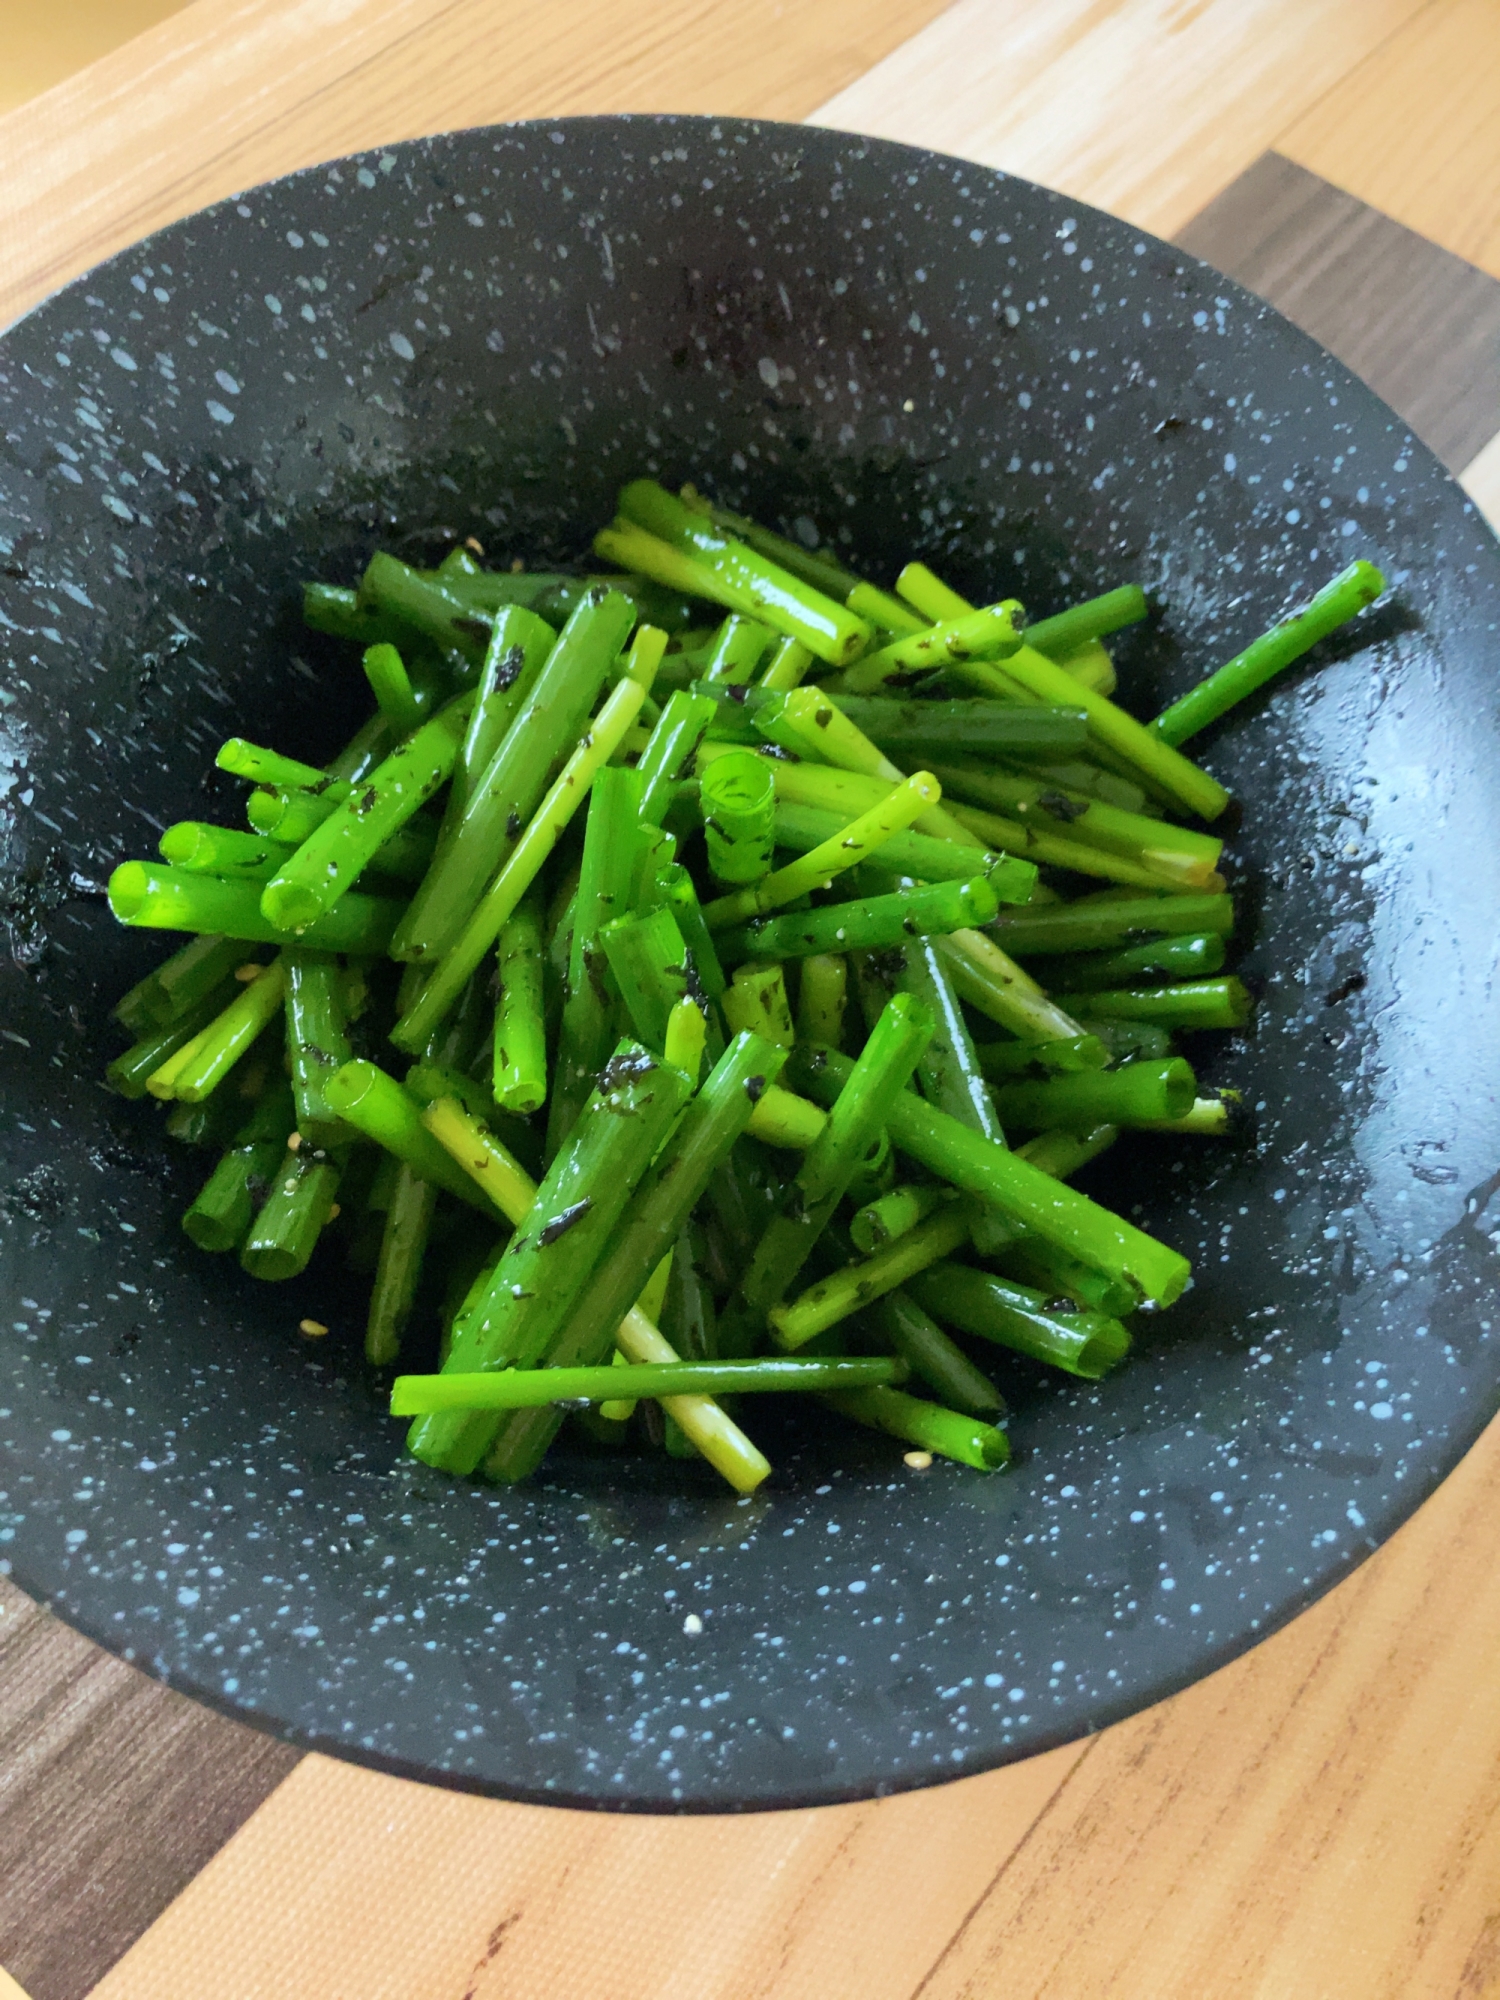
pixel 223 96
pixel 1481 481
pixel 1415 129
pixel 351 1884
pixel 44 43
pixel 1145 107
pixel 1322 1818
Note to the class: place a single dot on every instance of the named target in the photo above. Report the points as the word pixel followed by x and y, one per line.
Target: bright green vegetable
pixel 821 996
pixel 131 1072
pixel 1193 1003
pixel 645 1234
pixel 908 855
pixel 403 1244
pixel 1178 855
pixel 933 1358
pixel 738 796
pixel 517 651
pixel 224 1208
pixel 162 898
pixel 391 686
pixel 1068 630
pixel 987 634
pixel 732 572
pixel 180 983
pixel 1099 925
pixel 857 1112
pixel 424 604
pixel 991 1308
pixel 520 1064
pixel 873 923
pixel 817 868
pixel 221 850
pixel 1030 1197
pixel 201 1065
pixel 675 886
pixel 364 1096
pixel 610 845
pixel 928 1426
pixel 756 1000
pixel 891 1215
pixel 537 840
pixel 649 959
pixel 1334 605
pixel 737 650
pixel 1189 956
pixel 833 1298
pixel 507 792
pixel 967 728
pixel 536 1388
pixel 293 1216
pixel 1141 1090
pixel 1004 1062
pixel 1163 768
pixel 823 856
pixel 547 1264
pixel 668 755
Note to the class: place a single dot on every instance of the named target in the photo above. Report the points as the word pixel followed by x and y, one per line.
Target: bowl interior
pixel 484 335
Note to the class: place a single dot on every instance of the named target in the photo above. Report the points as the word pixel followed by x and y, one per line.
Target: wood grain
pixel 1415 129
pixel 222 96
pixel 1419 324
pixel 113 1793
pixel 43 43
pixel 1321 1818
pixel 1145 107
pixel 350 1884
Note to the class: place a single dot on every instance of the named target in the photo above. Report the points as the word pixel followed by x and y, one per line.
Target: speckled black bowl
pixel 484 334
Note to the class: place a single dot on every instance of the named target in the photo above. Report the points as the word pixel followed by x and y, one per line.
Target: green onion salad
pixel 698 980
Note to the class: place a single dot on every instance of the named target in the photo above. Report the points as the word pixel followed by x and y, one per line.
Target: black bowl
pixel 484 334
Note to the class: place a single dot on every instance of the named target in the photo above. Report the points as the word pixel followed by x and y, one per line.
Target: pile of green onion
pixel 649 994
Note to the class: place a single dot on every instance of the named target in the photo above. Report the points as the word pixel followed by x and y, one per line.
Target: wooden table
pixel 1315 1822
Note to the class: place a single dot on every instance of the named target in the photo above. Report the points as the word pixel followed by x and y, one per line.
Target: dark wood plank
pixel 1419 324
pixel 114 1792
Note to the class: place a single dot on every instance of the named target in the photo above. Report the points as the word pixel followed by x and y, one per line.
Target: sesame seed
pixel 313 1328
pixel 917 1460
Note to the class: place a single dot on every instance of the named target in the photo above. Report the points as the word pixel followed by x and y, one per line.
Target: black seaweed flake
pixel 1060 806
pixel 508 671
pixel 561 1224
pixel 627 1067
